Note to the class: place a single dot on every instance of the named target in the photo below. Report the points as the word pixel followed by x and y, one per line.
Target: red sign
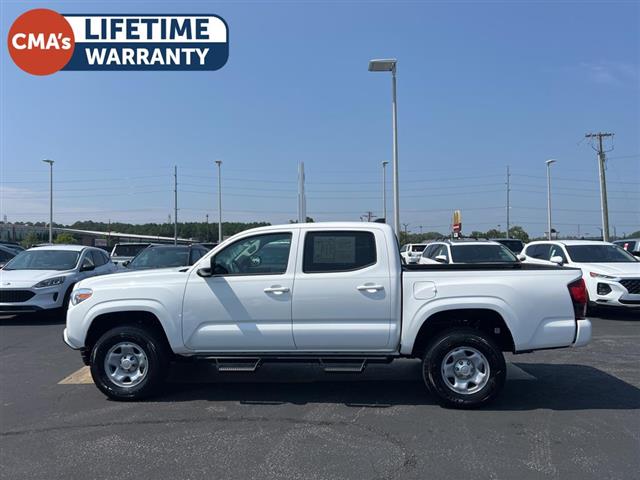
pixel 457 227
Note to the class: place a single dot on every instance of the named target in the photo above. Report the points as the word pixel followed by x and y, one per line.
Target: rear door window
pixel 338 251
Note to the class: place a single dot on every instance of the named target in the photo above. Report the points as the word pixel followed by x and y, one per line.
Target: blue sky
pixel 481 85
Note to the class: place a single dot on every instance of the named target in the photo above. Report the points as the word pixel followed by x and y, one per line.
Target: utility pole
pixel 405 225
pixel 368 215
pixel 50 162
pixel 508 197
pixel 603 181
pixel 219 164
pixel 302 199
pixel 206 226
pixel 175 205
pixel 549 227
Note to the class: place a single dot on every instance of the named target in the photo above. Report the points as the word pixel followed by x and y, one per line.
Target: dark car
pixel 512 244
pixel 6 254
pixel 14 247
pixel 166 256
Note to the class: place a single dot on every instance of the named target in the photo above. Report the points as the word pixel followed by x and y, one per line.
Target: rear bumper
pixel 583 333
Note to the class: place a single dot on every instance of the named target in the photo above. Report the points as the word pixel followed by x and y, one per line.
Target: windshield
pixel 44 260
pixel 161 257
pixel 417 248
pixel 481 254
pixel 599 254
pixel 124 250
pixel 514 245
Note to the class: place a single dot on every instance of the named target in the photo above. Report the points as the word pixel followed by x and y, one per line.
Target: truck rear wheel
pixel 129 363
pixel 463 368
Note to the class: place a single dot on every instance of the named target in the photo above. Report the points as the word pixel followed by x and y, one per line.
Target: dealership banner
pixel 42 42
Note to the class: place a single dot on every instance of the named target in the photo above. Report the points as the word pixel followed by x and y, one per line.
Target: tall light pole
pixel 219 164
pixel 50 162
pixel 549 163
pixel 384 191
pixel 389 65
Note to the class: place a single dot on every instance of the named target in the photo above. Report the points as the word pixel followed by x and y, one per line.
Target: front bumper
pixel 41 299
pixel 583 333
pixel 618 295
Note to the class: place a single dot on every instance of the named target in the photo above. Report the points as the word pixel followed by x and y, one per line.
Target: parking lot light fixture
pixel 549 162
pixel 50 162
pixel 389 65
pixel 384 191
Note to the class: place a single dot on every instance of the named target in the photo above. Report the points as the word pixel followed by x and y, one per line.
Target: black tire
pixel 157 363
pixel 453 339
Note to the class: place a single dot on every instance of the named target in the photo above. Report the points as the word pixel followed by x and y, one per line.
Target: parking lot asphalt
pixel 565 414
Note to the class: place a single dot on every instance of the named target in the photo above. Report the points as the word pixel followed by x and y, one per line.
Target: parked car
pixel 42 278
pixel 631 245
pixel 612 275
pixel 466 251
pixel 166 256
pixel 124 252
pixel 411 252
pixel 6 254
pixel 12 246
pixel 336 294
pixel 512 244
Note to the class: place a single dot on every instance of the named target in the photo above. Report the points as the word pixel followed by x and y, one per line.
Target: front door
pixel 246 304
pixel 343 298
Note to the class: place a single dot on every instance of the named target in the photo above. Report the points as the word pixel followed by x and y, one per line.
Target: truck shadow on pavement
pixel 555 387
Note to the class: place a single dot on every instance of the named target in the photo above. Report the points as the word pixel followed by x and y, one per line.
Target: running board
pixel 343 365
pixel 237 364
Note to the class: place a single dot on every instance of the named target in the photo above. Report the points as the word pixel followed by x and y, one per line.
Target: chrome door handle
pixel 370 288
pixel 276 290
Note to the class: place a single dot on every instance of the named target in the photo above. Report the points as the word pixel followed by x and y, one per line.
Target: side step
pixel 237 364
pixel 343 365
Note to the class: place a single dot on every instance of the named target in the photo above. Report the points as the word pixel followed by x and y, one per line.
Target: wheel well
pixel 105 322
pixel 486 320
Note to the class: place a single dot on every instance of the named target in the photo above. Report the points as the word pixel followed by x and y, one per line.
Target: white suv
pixel 42 278
pixel 411 252
pixel 611 274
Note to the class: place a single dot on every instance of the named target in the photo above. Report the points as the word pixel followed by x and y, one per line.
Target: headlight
pixel 50 282
pixel 600 275
pixel 80 295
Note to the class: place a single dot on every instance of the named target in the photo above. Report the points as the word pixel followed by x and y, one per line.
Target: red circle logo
pixel 41 41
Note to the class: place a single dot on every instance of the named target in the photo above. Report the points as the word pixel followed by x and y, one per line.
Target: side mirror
pixel 126 263
pixel 87 268
pixel 521 256
pixel 213 269
pixel 557 259
pixel 441 259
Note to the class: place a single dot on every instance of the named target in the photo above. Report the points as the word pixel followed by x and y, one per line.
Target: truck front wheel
pixel 463 368
pixel 128 363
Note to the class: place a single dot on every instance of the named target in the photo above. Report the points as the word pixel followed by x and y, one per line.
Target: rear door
pixel 342 291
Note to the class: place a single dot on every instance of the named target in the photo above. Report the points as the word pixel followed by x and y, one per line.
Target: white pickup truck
pixel 332 293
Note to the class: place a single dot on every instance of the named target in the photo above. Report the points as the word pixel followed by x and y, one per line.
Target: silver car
pixel 42 278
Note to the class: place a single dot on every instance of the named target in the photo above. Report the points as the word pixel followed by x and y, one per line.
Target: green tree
pixel 518 232
pixel 30 240
pixel 65 238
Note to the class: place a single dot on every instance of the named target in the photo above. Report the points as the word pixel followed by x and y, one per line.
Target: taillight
pixel 579 297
